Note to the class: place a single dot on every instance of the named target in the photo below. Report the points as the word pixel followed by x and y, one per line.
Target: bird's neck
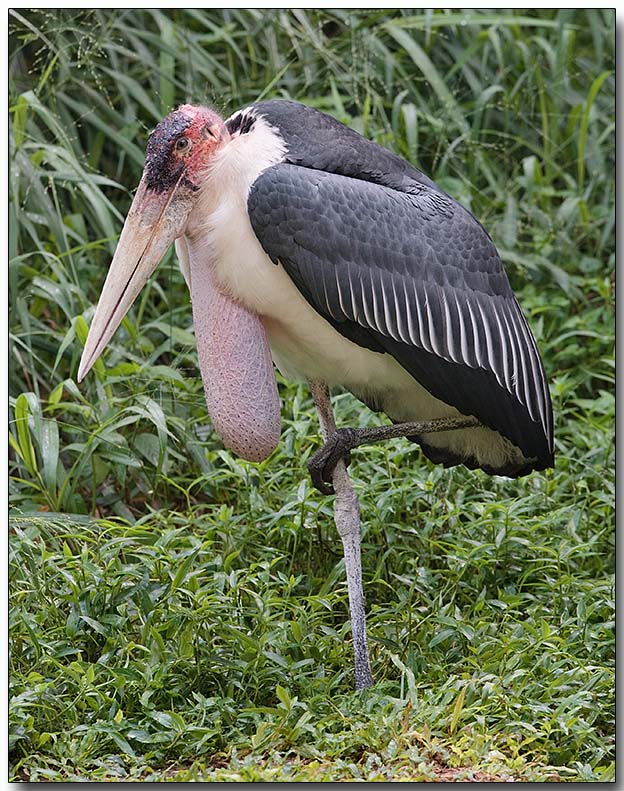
pixel 233 170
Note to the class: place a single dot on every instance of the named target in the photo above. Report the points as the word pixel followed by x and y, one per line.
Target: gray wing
pixel 415 275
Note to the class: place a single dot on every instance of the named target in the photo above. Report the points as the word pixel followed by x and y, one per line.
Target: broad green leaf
pixel 23 433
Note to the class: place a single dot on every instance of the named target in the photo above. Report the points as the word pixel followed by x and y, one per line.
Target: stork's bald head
pixel 178 157
pixel 179 150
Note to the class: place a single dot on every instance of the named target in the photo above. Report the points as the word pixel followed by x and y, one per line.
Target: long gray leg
pixel 341 441
pixel 347 517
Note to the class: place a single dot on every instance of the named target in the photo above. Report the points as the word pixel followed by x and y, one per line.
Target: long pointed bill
pixel 155 219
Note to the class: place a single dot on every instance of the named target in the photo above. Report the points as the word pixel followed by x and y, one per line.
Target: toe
pixel 318 473
pixel 324 486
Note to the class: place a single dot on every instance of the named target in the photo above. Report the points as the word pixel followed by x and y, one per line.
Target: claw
pixel 323 463
pixel 316 473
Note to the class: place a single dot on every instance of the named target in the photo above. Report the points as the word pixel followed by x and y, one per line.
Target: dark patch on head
pixel 242 124
pixel 162 169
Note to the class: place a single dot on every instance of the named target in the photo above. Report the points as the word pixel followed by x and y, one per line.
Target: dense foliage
pixel 175 607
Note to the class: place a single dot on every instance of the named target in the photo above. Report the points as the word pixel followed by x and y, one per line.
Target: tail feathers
pixel 448 458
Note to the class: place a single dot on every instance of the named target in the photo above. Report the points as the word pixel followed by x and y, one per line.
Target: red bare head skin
pixel 180 148
pixel 178 157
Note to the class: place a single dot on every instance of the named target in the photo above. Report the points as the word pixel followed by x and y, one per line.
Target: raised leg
pixel 347 517
pixel 340 442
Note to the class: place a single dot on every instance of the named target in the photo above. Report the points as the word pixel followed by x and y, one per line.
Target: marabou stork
pixel 306 244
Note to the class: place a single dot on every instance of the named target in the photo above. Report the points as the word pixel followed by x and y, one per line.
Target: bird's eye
pixel 182 144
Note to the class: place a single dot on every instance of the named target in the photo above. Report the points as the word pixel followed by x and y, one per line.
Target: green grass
pixel 179 614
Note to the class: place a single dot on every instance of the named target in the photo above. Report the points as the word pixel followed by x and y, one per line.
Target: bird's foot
pixel 321 466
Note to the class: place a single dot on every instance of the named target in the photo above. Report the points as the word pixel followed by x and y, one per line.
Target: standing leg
pixel 347 517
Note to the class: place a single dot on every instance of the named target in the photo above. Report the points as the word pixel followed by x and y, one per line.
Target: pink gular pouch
pixel 236 367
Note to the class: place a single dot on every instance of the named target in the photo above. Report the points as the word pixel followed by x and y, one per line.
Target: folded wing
pixel 415 275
